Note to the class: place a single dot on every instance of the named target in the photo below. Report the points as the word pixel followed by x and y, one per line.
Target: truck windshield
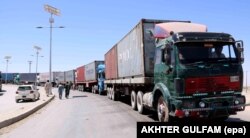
pixel 189 53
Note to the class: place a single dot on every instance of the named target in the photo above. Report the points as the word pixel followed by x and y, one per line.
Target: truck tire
pixel 108 93
pixel 114 95
pixel 133 100
pixel 162 110
pixel 111 93
pixel 140 102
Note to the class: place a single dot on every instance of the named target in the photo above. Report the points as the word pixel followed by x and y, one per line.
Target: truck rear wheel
pixel 114 97
pixel 108 93
pixel 140 102
pixel 133 100
pixel 162 110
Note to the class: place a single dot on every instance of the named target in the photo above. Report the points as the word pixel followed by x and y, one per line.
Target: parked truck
pixel 70 77
pixel 56 76
pixel 27 78
pixel 173 72
pixel 8 77
pixel 91 77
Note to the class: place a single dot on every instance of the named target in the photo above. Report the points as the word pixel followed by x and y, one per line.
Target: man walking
pixel 67 89
pixel 60 90
pixel 47 87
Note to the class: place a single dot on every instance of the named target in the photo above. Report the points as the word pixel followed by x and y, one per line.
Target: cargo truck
pixel 91 77
pixel 170 70
pixel 27 78
pixel 56 77
pixel 70 77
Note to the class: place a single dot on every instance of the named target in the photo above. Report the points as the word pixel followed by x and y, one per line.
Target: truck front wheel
pixel 162 110
pixel 133 100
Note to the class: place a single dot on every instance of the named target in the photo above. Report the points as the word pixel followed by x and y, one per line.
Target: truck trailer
pixel 56 77
pixel 166 66
pixel 91 77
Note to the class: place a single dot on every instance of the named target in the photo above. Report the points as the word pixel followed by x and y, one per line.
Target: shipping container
pixel 27 77
pixel 80 75
pixel 87 77
pixel 60 77
pixel 43 77
pixel 130 62
pixel 135 52
pixel 9 77
pixel 90 70
pixel 111 63
pixel 70 76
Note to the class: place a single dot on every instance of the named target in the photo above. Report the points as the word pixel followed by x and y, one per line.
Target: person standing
pixel 60 90
pixel 218 52
pixel 67 90
pixel 47 88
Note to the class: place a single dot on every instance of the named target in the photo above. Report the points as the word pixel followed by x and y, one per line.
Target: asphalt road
pixel 82 115
pixel 86 115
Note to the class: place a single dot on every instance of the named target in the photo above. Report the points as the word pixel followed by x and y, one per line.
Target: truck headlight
pixel 236 102
pixel 202 104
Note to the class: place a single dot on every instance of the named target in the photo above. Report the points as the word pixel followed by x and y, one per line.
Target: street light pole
pixel 7 62
pixel 37 52
pixel 30 62
pixel 52 11
pixel 51 20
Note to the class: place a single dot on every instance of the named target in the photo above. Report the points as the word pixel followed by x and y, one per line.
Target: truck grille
pixel 210 84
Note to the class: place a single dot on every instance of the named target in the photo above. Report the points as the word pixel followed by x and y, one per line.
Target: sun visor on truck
pixel 162 30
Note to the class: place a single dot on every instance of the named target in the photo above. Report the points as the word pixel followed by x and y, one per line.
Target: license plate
pixel 24 96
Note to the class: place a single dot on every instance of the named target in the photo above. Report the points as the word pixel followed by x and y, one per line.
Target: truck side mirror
pixel 240 50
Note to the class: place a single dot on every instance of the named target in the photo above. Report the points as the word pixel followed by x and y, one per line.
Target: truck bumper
pixel 211 107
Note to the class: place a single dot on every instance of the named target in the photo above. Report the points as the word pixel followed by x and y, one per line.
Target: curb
pixel 19 117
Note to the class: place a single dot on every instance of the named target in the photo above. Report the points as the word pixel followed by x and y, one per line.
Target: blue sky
pixel 93 27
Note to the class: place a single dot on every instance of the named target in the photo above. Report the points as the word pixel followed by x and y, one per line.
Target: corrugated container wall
pixel 70 76
pixel 10 76
pixel 80 75
pixel 90 70
pixel 111 63
pixel 30 77
pixel 60 77
pixel 43 77
pixel 136 52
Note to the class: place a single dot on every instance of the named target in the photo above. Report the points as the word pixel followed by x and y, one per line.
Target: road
pixel 82 115
pixel 85 115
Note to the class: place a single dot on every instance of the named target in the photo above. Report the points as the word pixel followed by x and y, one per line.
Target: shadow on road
pixel 80 96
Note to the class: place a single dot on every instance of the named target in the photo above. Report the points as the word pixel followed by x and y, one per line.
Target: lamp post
pixel 30 62
pixel 7 62
pixel 37 48
pixel 52 11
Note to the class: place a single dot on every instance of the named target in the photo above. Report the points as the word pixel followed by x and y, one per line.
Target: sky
pixel 92 27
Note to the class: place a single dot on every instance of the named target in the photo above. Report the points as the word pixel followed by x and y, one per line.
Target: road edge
pixel 19 117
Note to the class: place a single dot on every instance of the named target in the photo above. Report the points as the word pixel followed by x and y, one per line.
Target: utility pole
pixel 37 52
pixel 52 11
pixel 30 62
pixel 7 62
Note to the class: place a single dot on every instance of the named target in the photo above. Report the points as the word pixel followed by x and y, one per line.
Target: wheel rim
pixel 162 110
pixel 133 100
pixel 111 95
pixel 139 102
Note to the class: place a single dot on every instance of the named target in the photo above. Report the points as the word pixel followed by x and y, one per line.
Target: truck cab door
pixel 163 67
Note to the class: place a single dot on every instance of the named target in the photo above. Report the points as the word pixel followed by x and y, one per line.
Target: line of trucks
pixel 166 66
